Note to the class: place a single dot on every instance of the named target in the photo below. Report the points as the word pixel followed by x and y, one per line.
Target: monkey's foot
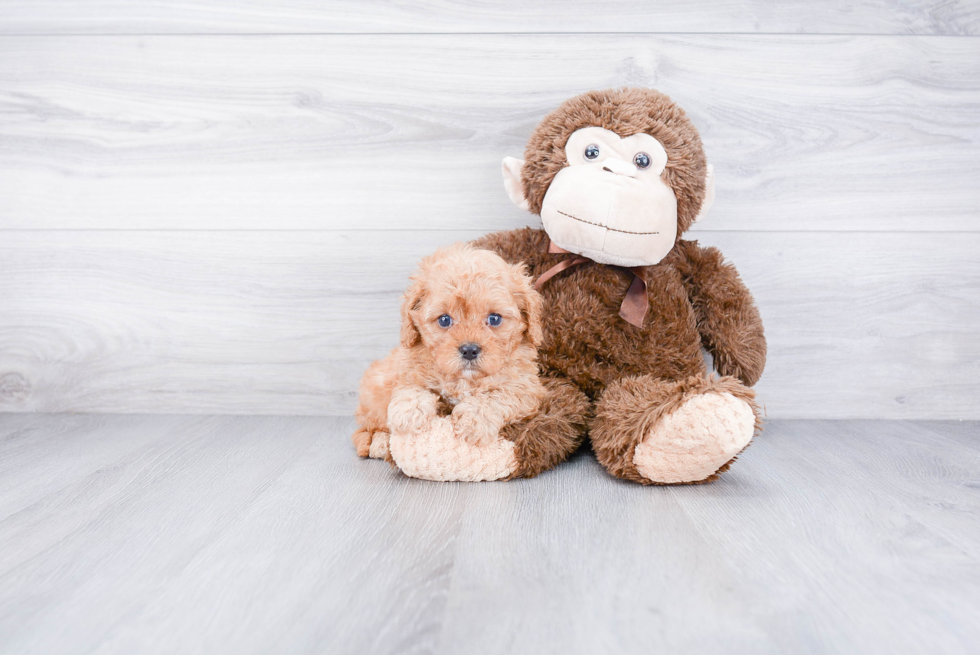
pixel 694 441
pixel 439 454
pixel 659 431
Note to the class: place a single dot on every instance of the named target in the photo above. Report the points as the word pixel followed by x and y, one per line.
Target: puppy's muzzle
pixel 469 351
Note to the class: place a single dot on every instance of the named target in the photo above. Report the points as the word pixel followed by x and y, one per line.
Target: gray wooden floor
pixel 191 534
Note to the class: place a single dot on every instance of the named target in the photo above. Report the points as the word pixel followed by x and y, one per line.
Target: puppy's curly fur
pixel 427 373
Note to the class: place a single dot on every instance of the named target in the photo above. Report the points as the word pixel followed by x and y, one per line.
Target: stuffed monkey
pixel 618 177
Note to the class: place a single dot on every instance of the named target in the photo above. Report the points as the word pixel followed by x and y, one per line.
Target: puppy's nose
pixel 469 351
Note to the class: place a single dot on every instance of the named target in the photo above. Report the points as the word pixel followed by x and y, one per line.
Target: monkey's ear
pixel 410 335
pixel 512 182
pixel 709 193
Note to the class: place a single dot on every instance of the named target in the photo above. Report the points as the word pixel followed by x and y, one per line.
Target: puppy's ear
pixel 530 303
pixel 410 335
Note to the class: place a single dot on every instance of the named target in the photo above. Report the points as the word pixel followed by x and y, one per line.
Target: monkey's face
pixel 610 203
pixel 620 200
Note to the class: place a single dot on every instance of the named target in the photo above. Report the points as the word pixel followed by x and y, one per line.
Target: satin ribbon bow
pixel 635 304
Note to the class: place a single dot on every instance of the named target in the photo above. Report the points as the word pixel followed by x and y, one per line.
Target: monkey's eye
pixel 642 160
pixel 445 321
pixel 591 151
pixel 494 320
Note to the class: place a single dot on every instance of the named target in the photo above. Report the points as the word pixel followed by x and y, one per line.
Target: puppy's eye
pixel 591 151
pixel 642 160
pixel 494 320
pixel 445 321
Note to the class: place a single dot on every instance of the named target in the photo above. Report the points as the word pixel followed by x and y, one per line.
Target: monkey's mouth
pixel 612 229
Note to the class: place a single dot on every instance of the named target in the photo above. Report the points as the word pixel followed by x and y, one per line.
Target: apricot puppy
pixel 471 326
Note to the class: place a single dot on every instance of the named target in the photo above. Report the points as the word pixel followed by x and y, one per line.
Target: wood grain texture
pixel 255 535
pixel 352 16
pixel 860 325
pixel 321 132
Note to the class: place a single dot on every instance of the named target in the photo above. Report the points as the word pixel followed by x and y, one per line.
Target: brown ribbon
pixel 635 304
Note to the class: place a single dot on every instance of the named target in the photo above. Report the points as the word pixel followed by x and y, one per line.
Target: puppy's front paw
pixel 411 410
pixel 404 415
pixel 412 420
pixel 470 428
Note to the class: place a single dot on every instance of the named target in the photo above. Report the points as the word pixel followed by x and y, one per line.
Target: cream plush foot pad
pixel 440 455
pixel 696 439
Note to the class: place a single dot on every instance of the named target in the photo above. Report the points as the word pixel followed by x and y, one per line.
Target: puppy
pixel 471 326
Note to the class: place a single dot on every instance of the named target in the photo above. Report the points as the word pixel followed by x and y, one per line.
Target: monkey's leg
pixel 523 449
pixel 656 431
pixel 549 437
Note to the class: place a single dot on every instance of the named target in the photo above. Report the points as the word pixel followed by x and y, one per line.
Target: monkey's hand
pixel 728 320
pixel 411 409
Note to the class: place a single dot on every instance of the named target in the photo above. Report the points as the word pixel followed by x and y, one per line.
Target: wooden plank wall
pixel 213 207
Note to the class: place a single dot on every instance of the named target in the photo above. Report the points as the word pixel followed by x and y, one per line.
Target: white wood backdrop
pixel 213 206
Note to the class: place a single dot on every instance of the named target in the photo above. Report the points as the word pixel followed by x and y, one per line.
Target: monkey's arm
pixel 728 319
pixel 526 245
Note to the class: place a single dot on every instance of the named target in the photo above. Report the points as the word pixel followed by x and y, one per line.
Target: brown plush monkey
pixel 617 177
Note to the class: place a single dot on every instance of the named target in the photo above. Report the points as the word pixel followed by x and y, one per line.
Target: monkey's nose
pixel 619 167
pixel 469 351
